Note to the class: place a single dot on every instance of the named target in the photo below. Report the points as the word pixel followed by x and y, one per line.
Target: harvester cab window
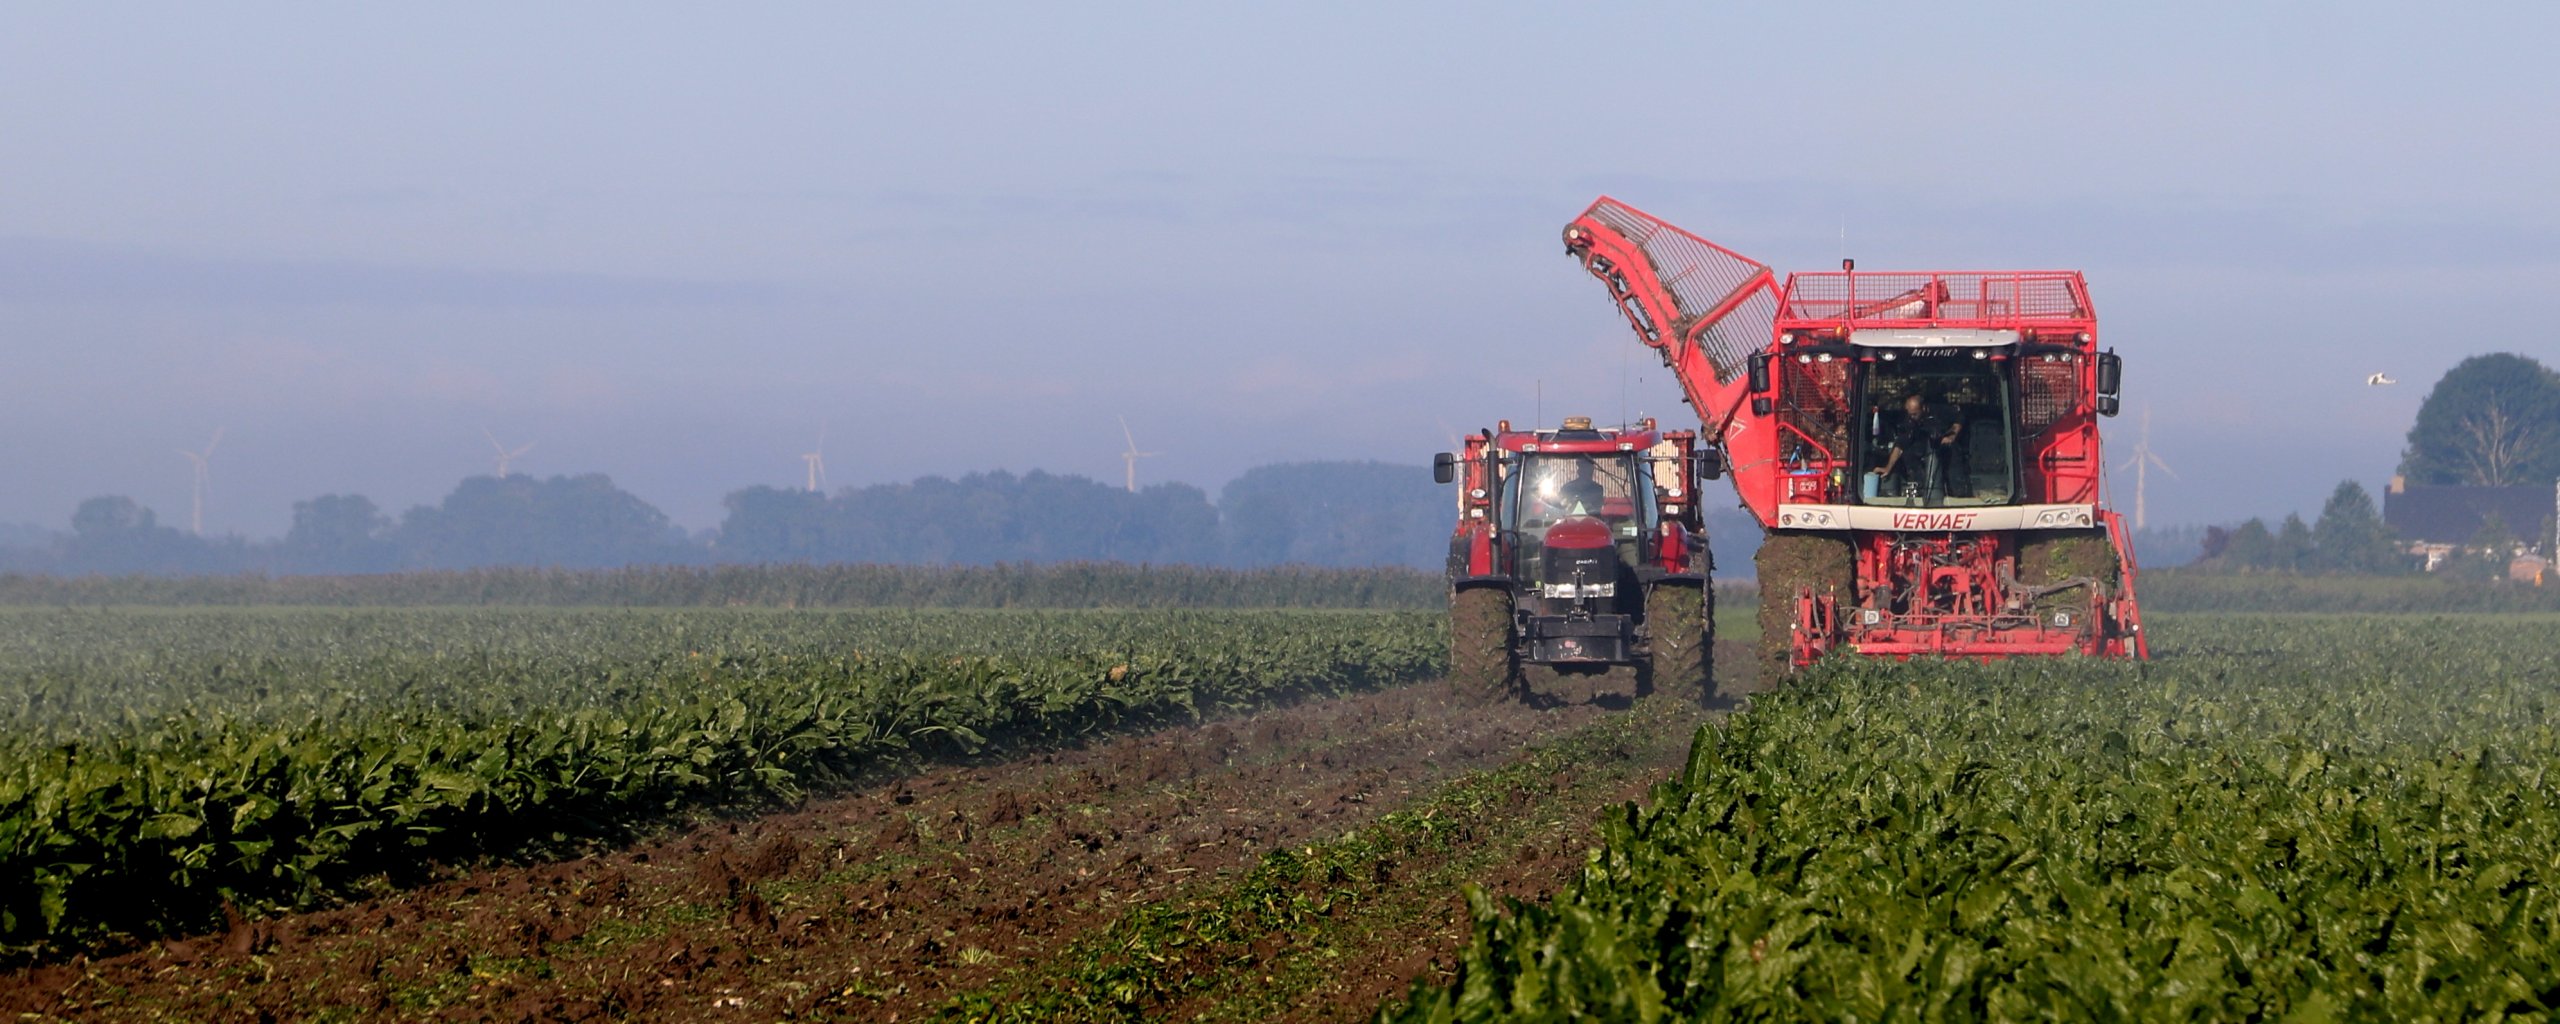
pixel 1937 432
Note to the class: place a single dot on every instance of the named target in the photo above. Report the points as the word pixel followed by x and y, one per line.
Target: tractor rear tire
pixel 1820 562
pixel 1681 621
pixel 1481 664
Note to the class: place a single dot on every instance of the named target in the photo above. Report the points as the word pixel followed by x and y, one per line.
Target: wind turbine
pixel 1132 456
pixel 202 459
pixel 817 461
pixel 506 458
pixel 2141 462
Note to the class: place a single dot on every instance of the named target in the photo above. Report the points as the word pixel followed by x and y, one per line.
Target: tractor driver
pixel 1581 495
pixel 1925 429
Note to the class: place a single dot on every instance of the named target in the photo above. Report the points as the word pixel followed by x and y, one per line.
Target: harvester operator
pixel 1928 429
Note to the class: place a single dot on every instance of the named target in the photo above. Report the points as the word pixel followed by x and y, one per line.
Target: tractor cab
pixel 1571 538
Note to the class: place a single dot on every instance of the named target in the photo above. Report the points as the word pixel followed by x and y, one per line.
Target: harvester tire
pixel 1682 623
pixel 1481 665
pixel 1787 562
pixel 2051 556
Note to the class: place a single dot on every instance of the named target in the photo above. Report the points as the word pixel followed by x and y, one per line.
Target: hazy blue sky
pixel 666 244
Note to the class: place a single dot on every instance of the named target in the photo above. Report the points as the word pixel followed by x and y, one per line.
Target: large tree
pixel 2351 537
pixel 2492 421
pixel 579 522
pixel 339 533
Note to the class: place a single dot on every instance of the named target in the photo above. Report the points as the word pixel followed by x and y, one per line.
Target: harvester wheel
pixel 1787 562
pixel 2051 556
pixel 1480 659
pixel 1682 622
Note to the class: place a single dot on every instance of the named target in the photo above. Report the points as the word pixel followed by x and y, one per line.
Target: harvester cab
pixel 1578 548
pixel 1920 448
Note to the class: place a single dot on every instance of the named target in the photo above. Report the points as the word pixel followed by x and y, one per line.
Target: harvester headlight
pixel 1870 617
pixel 1803 358
pixel 1788 338
pixel 1825 357
pixel 2084 337
pixel 1477 493
pixel 2062 620
pixel 1888 357
pixel 1982 353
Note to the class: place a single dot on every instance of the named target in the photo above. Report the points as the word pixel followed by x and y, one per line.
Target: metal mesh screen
pixel 1814 400
pixel 2047 393
pixel 1990 298
pixel 1701 276
pixel 1731 342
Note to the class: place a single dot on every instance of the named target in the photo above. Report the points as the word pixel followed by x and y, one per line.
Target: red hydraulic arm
pixel 1706 309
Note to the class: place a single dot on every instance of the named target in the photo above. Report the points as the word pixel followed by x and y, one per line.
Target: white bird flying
pixel 2380 379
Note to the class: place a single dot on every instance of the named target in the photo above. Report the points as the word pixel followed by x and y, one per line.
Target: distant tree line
pixel 1335 514
pixel 1323 514
pixel 2349 537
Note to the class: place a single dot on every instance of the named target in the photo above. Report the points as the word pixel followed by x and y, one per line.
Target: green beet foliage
pixel 158 766
pixel 2281 818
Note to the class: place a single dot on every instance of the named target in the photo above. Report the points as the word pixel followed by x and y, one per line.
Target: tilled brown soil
pixel 878 904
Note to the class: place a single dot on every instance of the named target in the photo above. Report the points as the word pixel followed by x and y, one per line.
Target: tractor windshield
pixel 1544 488
pixel 1937 430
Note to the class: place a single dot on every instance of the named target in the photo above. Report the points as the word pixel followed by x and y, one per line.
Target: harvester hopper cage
pixel 1985 299
pixel 1727 302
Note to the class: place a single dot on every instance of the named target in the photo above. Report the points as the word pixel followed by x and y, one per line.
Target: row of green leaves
pixel 1053 585
pixel 157 766
pixel 2281 818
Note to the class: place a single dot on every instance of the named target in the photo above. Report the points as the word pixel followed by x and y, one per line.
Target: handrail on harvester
pixel 1974 299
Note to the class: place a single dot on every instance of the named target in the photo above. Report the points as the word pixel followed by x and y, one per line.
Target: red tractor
pixel 1921 448
pixel 1579 548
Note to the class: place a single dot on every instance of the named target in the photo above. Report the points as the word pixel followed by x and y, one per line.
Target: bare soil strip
pixel 890 902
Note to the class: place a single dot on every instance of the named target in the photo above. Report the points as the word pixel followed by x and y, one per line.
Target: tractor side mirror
pixel 2109 405
pixel 1710 463
pixel 1444 467
pixel 1759 374
pixel 2110 382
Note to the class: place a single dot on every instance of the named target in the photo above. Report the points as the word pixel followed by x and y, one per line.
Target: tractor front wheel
pixel 1681 621
pixel 1480 660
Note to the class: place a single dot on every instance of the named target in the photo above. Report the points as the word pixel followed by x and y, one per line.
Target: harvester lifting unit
pixel 1920 448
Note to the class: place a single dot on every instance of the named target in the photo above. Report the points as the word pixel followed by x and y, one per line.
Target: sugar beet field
pixel 760 814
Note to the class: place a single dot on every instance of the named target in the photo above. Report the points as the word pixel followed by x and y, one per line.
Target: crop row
pixel 158 766
pixel 2196 590
pixel 2287 818
pixel 1056 585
